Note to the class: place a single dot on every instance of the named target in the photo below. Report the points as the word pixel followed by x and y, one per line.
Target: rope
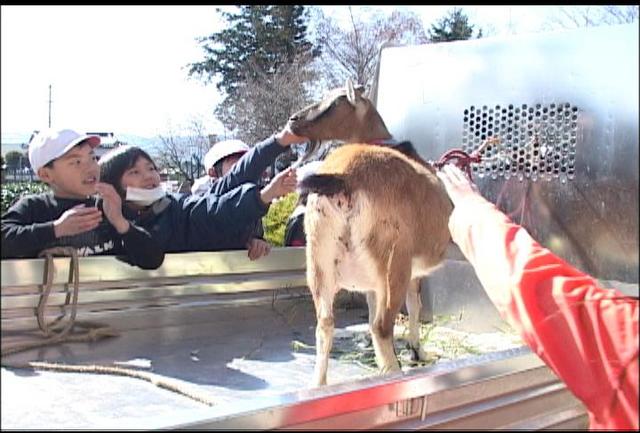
pixel 54 335
pixel 55 332
pixel 463 160
pixel 160 381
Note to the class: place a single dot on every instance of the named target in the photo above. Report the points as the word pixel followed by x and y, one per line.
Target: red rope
pixel 462 160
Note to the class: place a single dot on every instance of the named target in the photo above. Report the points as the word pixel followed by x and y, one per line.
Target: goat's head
pixel 345 114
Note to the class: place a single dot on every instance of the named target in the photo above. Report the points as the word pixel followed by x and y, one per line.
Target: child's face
pixel 143 174
pixel 229 162
pixel 74 174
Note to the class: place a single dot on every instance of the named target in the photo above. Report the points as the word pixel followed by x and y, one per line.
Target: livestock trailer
pixel 240 334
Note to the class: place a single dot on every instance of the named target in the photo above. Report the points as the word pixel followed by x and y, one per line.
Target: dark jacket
pixel 27 229
pixel 223 218
pixel 294 232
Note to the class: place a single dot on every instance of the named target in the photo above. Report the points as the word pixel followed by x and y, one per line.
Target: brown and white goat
pixel 376 221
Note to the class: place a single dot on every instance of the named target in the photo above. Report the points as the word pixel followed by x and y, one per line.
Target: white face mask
pixel 144 197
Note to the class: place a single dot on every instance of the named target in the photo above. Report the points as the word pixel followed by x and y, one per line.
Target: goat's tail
pixel 323 184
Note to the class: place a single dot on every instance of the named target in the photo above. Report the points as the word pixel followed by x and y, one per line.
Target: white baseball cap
pixel 50 144
pixel 221 150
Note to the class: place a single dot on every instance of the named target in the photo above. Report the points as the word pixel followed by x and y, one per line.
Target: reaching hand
pixel 287 138
pixel 257 248
pixel 283 183
pixel 78 219
pixel 112 206
pixel 457 183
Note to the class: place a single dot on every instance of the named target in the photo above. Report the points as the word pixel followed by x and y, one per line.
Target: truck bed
pixel 228 331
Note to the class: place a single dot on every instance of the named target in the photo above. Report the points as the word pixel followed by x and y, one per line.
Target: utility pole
pixel 49 105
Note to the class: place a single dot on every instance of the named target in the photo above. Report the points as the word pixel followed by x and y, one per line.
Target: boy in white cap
pixel 218 161
pixel 71 214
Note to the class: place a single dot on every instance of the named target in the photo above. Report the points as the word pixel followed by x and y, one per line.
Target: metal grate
pixel 536 141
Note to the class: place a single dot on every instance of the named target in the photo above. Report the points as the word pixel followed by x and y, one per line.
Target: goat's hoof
pixel 318 383
pixel 415 355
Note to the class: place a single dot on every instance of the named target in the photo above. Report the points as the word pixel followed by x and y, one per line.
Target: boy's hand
pixel 258 248
pixel 78 219
pixel 287 138
pixel 283 183
pixel 112 207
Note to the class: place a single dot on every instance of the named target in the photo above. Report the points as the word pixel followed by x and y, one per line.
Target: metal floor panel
pixel 233 353
pixel 238 351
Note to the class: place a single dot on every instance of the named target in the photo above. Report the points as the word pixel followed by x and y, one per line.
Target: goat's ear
pixel 351 93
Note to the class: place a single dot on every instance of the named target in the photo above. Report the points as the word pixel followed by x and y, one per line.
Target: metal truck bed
pixel 251 351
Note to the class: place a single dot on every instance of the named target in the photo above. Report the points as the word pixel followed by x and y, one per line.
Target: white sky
pixel 123 68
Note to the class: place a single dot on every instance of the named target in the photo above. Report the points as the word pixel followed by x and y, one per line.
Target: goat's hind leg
pixel 414 305
pixel 324 334
pixel 323 286
pixel 389 300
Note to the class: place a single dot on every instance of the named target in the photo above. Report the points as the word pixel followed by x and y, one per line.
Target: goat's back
pixel 408 203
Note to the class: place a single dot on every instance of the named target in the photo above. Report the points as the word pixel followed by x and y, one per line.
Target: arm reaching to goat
pixel 587 334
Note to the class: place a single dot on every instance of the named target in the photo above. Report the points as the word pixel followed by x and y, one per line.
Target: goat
pixel 344 114
pixel 376 222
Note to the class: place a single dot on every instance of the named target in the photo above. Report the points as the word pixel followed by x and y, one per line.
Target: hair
pixel 114 163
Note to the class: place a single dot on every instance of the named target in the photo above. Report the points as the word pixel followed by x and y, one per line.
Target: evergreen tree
pixel 453 27
pixel 258 40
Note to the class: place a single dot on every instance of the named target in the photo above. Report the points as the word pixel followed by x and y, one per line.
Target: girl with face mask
pixel 213 221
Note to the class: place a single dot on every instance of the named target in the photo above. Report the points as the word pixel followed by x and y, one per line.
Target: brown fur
pixel 384 231
pixel 376 221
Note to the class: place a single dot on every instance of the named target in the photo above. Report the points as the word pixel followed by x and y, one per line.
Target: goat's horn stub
pixel 351 93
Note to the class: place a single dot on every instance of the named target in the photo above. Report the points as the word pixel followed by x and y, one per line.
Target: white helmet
pixel 221 150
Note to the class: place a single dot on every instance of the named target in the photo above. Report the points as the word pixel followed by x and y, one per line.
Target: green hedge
pixel 275 221
pixel 11 192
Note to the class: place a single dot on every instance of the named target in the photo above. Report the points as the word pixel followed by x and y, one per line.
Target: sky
pixel 123 69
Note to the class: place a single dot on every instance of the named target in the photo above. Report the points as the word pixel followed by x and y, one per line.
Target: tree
pixel 263 104
pixel 258 36
pixel 568 17
pixel 353 52
pixel 261 61
pixel 184 155
pixel 15 159
pixel 453 27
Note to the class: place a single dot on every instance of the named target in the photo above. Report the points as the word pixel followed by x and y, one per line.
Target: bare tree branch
pixel 353 53
pixel 568 17
pixel 183 154
pixel 263 104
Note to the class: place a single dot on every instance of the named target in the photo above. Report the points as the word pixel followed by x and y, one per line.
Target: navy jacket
pixel 27 229
pixel 223 218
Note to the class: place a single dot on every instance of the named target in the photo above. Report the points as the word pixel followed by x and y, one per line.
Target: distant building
pixel 108 141
pixel 14 142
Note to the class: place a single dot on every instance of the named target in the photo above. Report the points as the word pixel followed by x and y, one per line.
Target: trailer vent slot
pixel 537 141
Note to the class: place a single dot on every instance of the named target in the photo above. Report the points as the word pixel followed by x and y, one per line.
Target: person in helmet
pixel 217 162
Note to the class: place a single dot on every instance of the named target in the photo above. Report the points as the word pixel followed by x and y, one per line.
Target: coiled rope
pixel 56 332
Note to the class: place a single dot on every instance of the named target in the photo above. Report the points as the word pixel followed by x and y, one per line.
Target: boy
pixel 218 161
pixel 69 215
